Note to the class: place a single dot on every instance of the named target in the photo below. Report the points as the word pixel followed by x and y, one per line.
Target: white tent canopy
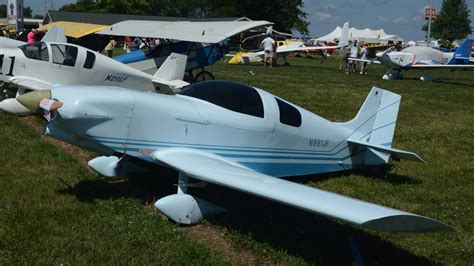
pixel 367 35
pixel 390 39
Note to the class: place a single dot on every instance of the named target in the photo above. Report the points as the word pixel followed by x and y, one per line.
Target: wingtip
pixel 407 223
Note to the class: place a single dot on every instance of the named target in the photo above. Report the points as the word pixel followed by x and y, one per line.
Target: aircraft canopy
pixel 205 32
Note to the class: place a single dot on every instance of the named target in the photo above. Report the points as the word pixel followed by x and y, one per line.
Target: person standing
pixel 354 52
pixel 126 43
pixel 109 49
pixel 345 57
pixel 31 36
pixel 268 45
pixel 363 56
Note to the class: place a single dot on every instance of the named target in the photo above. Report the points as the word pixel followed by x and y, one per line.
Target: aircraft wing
pixel 292 49
pixel 204 32
pixel 373 61
pixel 10 43
pixel 29 83
pixel 421 66
pixel 75 29
pixel 305 48
pixel 215 169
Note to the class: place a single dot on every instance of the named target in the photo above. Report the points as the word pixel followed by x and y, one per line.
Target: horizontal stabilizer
pixel 220 171
pixel 395 153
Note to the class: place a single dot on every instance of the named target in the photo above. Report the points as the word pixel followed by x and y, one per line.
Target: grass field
pixel 53 210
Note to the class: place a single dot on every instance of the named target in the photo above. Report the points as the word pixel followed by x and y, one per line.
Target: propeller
pixel 40 101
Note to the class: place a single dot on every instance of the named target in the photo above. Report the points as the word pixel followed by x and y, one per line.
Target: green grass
pixel 55 211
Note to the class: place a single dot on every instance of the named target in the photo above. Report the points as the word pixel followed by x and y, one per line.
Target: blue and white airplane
pixel 420 57
pixel 204 43
pixel 232 135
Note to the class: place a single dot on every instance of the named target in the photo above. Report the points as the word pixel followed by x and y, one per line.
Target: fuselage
pixel 235 121
pixel 41 64
pixel 199 55
pixel 414 55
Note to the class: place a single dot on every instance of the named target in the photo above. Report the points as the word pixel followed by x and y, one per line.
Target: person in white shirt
pixel 363 56
pixel 354 52
pixel 268 45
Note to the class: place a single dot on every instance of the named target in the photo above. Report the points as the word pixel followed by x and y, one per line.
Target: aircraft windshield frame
pixel 36 51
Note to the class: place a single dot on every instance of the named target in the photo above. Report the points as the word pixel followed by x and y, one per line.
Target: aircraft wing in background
pixel 426 66
pixel 203 32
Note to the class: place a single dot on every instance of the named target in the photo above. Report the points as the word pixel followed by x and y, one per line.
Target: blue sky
pixel 400 17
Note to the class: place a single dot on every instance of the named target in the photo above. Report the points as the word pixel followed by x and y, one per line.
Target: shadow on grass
pixel 314 238
pixel 379 173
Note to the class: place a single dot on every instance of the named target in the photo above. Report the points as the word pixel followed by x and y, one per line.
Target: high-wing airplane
pixel 285 50
pixel 39 65
pixel 418 57
pixel 204 43
pixel 232 135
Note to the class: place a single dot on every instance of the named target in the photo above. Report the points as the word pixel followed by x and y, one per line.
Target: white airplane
pixel 39 65
pixel 232 135
pixel 419 57
pixel 285 50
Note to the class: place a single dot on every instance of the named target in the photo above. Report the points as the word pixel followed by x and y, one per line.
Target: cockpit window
pixel 90 60
pixel 289 115
pixel 37 51
pixel 64 54
pixel 230 95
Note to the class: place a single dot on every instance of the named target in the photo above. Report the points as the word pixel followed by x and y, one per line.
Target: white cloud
pixel 330 6
pixel 399 20
pixel 320 16
pixel 382 19
pixel 416 18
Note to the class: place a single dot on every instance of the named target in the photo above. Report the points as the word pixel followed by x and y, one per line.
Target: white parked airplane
pixel 285 50
pixel 236 136
pixel 39 65
pixel 419 57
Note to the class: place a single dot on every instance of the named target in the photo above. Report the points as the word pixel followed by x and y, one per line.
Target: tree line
pixel 288 15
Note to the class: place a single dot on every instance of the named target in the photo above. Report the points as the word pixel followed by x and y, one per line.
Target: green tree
pixel 452 22
pixel 288 15
pixel 27 12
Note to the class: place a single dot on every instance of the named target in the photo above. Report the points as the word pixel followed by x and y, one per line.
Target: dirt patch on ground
pixel 202 234
pixel 207 235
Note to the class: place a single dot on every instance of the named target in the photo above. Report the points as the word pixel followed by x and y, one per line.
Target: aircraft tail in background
pixel 462 55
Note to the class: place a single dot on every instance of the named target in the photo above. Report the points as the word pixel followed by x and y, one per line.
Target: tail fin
pixel 374 127
pixel 269 30
pixel 464 51
pixel 55 34
pixel 344 39
pixel 169 77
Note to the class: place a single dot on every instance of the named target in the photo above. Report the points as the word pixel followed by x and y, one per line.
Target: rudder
pixel 375 123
